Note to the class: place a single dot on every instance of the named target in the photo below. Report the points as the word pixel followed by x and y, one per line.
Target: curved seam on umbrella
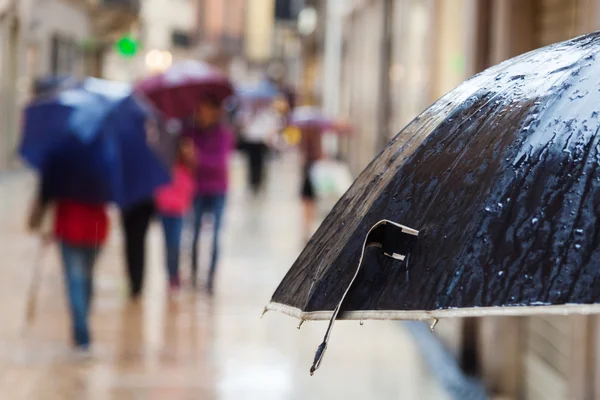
pixel 323 346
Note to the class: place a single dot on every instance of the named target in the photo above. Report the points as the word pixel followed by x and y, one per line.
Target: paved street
pixel 193 347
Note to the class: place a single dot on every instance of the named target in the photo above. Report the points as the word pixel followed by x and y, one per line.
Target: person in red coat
pixel 81 230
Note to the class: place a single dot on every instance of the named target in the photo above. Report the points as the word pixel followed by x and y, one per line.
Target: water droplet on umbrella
pixel 488 209
pixel 579 231
pixel 577 246
pixel 433 324
pixel 534 221
pixel 500 273
pixel 500 205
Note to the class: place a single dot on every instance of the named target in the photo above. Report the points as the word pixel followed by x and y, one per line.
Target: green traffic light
pixel 127 46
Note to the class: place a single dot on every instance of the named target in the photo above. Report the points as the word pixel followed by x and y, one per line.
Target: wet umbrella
pixel 176 92
pixel 488 203
pixel 94 143
pixel 309 117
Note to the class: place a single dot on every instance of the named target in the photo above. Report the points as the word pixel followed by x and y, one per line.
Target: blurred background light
pixel 158 60
pixel 127 46
pixel 307 21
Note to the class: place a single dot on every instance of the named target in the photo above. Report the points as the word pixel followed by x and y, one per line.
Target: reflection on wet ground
pixel 193 347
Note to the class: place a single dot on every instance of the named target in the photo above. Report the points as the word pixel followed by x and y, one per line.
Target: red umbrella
pixel 313 118
pixel 176 91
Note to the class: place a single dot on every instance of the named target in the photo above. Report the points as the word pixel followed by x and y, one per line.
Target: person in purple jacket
pixel 213 144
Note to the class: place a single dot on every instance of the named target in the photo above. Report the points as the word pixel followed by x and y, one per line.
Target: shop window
pixel 180 39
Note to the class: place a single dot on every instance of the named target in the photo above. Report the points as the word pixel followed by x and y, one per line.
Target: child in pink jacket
pixel 173 202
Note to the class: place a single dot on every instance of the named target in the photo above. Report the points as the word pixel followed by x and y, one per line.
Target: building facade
pixel 15 19
pixel 221 32
pixel 165 33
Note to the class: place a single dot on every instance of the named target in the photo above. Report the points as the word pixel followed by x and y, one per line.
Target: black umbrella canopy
pixel 500 182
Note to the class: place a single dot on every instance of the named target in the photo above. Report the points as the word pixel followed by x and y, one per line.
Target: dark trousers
pixel 256 165
pixel 136 221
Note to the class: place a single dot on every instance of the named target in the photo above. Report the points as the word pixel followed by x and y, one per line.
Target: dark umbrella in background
pixel 176 91
pixel 488 203
pixel 96 142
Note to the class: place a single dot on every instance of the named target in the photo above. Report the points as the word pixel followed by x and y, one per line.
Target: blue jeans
pixel 172 227
pixel 78 267
pixel 203 205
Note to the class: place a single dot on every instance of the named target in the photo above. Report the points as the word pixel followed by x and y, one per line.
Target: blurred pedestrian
pixel 136 219
pixel 213 145
pixel 311 149
pixel 173 202
pixel 81 230
pixel 261 124
pixel 276 74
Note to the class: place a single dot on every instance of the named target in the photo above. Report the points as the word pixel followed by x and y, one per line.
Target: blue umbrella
pixel 90 143
pixel 263 90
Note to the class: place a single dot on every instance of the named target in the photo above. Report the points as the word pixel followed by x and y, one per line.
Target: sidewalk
pixel 196 347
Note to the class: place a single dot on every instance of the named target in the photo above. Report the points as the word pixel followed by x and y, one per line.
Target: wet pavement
pixel 193 347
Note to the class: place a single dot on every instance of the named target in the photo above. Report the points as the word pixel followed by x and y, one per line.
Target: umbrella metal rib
pixel 388 240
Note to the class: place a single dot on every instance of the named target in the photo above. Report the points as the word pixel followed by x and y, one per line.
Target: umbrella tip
pixel 264 312
pixel 300 324
pixel 318 357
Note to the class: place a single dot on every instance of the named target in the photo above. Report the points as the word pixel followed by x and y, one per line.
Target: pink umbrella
pixel 313 118
pixel 176 91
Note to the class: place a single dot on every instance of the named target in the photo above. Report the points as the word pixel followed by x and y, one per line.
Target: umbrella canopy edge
pixel 417 315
